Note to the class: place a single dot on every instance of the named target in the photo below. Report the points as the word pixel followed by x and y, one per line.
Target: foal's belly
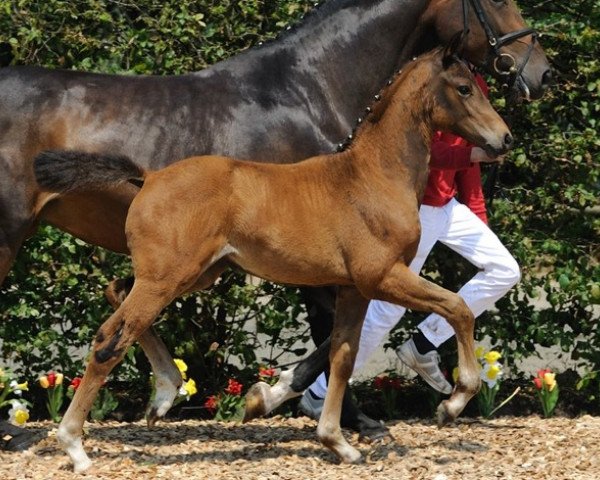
pixel 293 268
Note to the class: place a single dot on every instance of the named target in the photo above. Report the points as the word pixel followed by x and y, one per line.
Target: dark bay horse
pixel 299 96
pixel 193 219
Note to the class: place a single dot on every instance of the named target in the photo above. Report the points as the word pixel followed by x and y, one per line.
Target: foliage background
pixel 545 210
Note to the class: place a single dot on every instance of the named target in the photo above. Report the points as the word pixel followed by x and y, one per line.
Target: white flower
pixel 491 373
pixel 18 414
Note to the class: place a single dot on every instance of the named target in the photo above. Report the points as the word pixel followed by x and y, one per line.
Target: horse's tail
pixel 65 171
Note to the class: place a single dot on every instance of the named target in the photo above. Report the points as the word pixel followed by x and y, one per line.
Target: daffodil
pixel 18 388
pixel 492 357
pixel 18 414
pixel 190 387
pixel 479 352
pixel 455 374
pixel 182 367
pixel 491 373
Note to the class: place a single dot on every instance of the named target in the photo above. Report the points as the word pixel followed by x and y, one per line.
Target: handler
pixel 454 171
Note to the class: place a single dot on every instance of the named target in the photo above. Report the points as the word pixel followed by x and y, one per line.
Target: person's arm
pixel 470 192
pixel 449 152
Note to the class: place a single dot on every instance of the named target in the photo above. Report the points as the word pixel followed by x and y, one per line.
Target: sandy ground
pixel 277 448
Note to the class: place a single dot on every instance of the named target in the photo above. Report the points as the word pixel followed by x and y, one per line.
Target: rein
pixel 514 71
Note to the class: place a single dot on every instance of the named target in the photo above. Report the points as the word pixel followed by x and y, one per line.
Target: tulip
pixel 44 382
pixel 550 380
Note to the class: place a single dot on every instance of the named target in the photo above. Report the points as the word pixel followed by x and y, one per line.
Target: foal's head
pixel 459 106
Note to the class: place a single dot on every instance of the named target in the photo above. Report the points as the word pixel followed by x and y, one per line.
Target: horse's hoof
pixel 152 417
pixel 375 434
pixel 351 455
pixel 255 401
pixel 443 415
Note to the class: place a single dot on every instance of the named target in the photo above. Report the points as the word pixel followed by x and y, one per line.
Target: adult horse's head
pixel 497 39
pixel 459 106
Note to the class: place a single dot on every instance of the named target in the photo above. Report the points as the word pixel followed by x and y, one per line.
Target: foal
pixel 194 218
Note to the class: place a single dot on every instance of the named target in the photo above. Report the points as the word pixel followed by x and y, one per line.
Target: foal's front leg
pixel 350 311
pixel 404 287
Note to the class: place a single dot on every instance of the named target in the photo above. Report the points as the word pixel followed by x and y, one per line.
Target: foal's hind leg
pixel 406 288
pixel 350 311
pixel 167 378
pixel 131 319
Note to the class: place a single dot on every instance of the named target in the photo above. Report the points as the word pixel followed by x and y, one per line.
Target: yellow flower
pixel 492 356
pixel 492 372
pixel 21 416
pixel 455 374
pixel 23 386
pixel 182 367
pixel 44 383
pixel 550 380
pixel 479 352
pixel 190 387
pixel 59 379
pixel 18 414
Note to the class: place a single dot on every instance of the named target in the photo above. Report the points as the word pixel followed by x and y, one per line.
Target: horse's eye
pixel 464 90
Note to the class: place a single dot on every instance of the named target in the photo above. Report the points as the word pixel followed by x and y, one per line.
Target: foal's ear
pixel 453 50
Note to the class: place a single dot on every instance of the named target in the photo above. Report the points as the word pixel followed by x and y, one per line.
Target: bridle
pixel 513 71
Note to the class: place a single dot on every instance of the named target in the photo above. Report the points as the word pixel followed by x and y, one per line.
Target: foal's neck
pixel 396 137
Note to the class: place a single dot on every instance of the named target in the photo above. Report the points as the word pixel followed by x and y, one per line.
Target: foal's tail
pixel 65 171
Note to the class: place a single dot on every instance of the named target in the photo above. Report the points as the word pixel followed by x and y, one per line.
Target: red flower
pixel 395 383
pixel 538 382
pixel 379 383
pixel 75 383
pixel 233 387
pixel 211 403
pixel 266 372
pixel 51 379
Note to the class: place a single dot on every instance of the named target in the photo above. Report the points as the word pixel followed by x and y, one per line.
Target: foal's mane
pixel 385 98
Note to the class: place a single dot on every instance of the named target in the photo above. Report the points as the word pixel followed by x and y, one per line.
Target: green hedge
pixel 546 210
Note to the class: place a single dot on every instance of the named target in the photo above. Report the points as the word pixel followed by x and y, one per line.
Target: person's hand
pixel 479 155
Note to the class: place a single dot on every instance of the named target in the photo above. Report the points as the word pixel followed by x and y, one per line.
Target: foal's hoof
pixel 152 417
pixel 255 401
pixel 444 417
pixel 351 455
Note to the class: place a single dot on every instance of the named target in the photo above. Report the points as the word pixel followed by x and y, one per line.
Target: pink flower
pixel 538 383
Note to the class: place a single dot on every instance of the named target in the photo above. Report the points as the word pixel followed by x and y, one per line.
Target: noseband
pixel 513 71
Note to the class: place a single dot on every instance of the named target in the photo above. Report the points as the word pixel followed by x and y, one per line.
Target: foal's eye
pixel 464 90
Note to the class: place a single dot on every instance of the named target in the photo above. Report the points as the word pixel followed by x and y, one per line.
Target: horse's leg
pixel 167 377
pixel 263 398
pixel 132 318
pixel 351 308
pixel 404 287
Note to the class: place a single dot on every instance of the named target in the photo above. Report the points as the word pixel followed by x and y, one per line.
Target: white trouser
pixel 456 226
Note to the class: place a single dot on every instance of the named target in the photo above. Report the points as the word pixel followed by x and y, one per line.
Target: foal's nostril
pixel 547 78
pixel 508 140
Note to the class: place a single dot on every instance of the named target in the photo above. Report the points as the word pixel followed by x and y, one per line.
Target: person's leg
pixel 381 316
pixel 499 272
pixel 471 238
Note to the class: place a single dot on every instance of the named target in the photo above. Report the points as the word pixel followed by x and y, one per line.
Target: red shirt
pixel 451 172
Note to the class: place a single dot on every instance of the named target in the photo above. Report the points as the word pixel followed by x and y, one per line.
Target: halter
pixel 514 71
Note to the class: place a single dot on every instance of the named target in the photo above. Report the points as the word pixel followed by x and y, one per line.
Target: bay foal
pixel 192 219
